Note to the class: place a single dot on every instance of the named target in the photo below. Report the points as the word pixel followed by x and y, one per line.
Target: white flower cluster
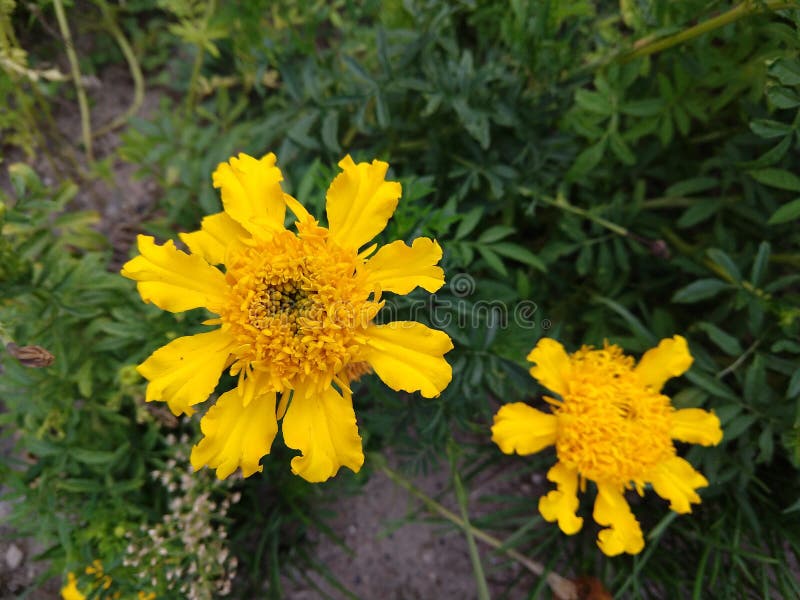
pixel 186 553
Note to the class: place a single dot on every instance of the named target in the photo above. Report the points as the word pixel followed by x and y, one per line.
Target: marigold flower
pixel 295 314
pixel 70 591
pixel 612 425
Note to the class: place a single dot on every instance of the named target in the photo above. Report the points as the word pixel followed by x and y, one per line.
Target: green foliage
pixel 623 171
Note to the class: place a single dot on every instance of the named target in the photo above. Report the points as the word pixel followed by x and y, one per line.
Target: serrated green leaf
pixel 787 212
pixel 702 289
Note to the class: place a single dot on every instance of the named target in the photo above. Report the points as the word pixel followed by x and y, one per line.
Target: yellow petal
pixel 561 504
pixel 322 425
pixel 410 356
pixel 70 591
pixel 217 233
pixel 669 359
pixel 360 202
pixel 695 426
pixel 237 435
pixel 173 280
pixel 553 366
pixel 676 480
pixel 523 429
pixel 624 533
pixel 298 210
pixel 399 268
pixel 186 371
pixel 251 192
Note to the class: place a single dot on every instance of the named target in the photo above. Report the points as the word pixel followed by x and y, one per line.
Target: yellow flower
pixel 295 316
pixel 71 591
pixel 613 426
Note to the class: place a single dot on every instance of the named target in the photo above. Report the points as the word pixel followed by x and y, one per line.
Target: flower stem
pixel 474 554
pixel 647 46
pixel 561 586
pixel 133 66
pixel 83 104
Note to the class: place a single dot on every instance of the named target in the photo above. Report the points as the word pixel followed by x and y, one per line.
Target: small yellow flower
pixel 612 426
pixel 295 317
pixel 146 596
pixel 71 591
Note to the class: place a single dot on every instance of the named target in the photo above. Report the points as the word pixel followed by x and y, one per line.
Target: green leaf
pixel 698 212
pixel 469 222
pixel 621 149
pixel 793 389
pixel 593 102
pixel 726 262
pixel 782 97
pixel 635 325
pixel 93 457
pixel 701 289
pixel 726 342
pixel 495 233
pixel 520 254
pixel 767 128
pixel 788 212
pixel 689 187
pixel 779 178
pixel 587 160
pixel 738 426
pixel 760 263
pixel 643 108
pixel 493 260
pixel 786 70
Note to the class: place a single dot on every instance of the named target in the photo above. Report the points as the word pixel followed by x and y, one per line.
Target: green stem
pixel 198 60
pixel 133 66
pixel 83 104
pixel 561 586
pixel 474 554
pixel 563 204
pixel 648 46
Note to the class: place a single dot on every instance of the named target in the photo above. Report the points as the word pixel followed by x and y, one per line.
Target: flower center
pixel 297 306
pixel 611 428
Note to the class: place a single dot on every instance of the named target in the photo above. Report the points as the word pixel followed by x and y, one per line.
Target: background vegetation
pixel 630 167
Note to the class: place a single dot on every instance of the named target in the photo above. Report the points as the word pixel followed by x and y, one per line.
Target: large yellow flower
pixel 70 591
pixel 613 426
pixel 295 317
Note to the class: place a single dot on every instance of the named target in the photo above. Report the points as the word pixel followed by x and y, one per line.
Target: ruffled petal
pixel 553 365
pixel 623 533
pixel 562 504
pixel 186 371
pixel 669 359
pixel 360 202
pixel 217 234
pixel 173 280
pixel 409 356
pixel 399 268
pixel 237 435
pixel 70 591
pixel 523 429
pixel 251 192
pixel 676 480
pixel 322 425
pixel 695 426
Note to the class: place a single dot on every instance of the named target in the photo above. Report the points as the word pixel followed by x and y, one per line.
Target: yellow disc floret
pixel 611 427
pixel 297 307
